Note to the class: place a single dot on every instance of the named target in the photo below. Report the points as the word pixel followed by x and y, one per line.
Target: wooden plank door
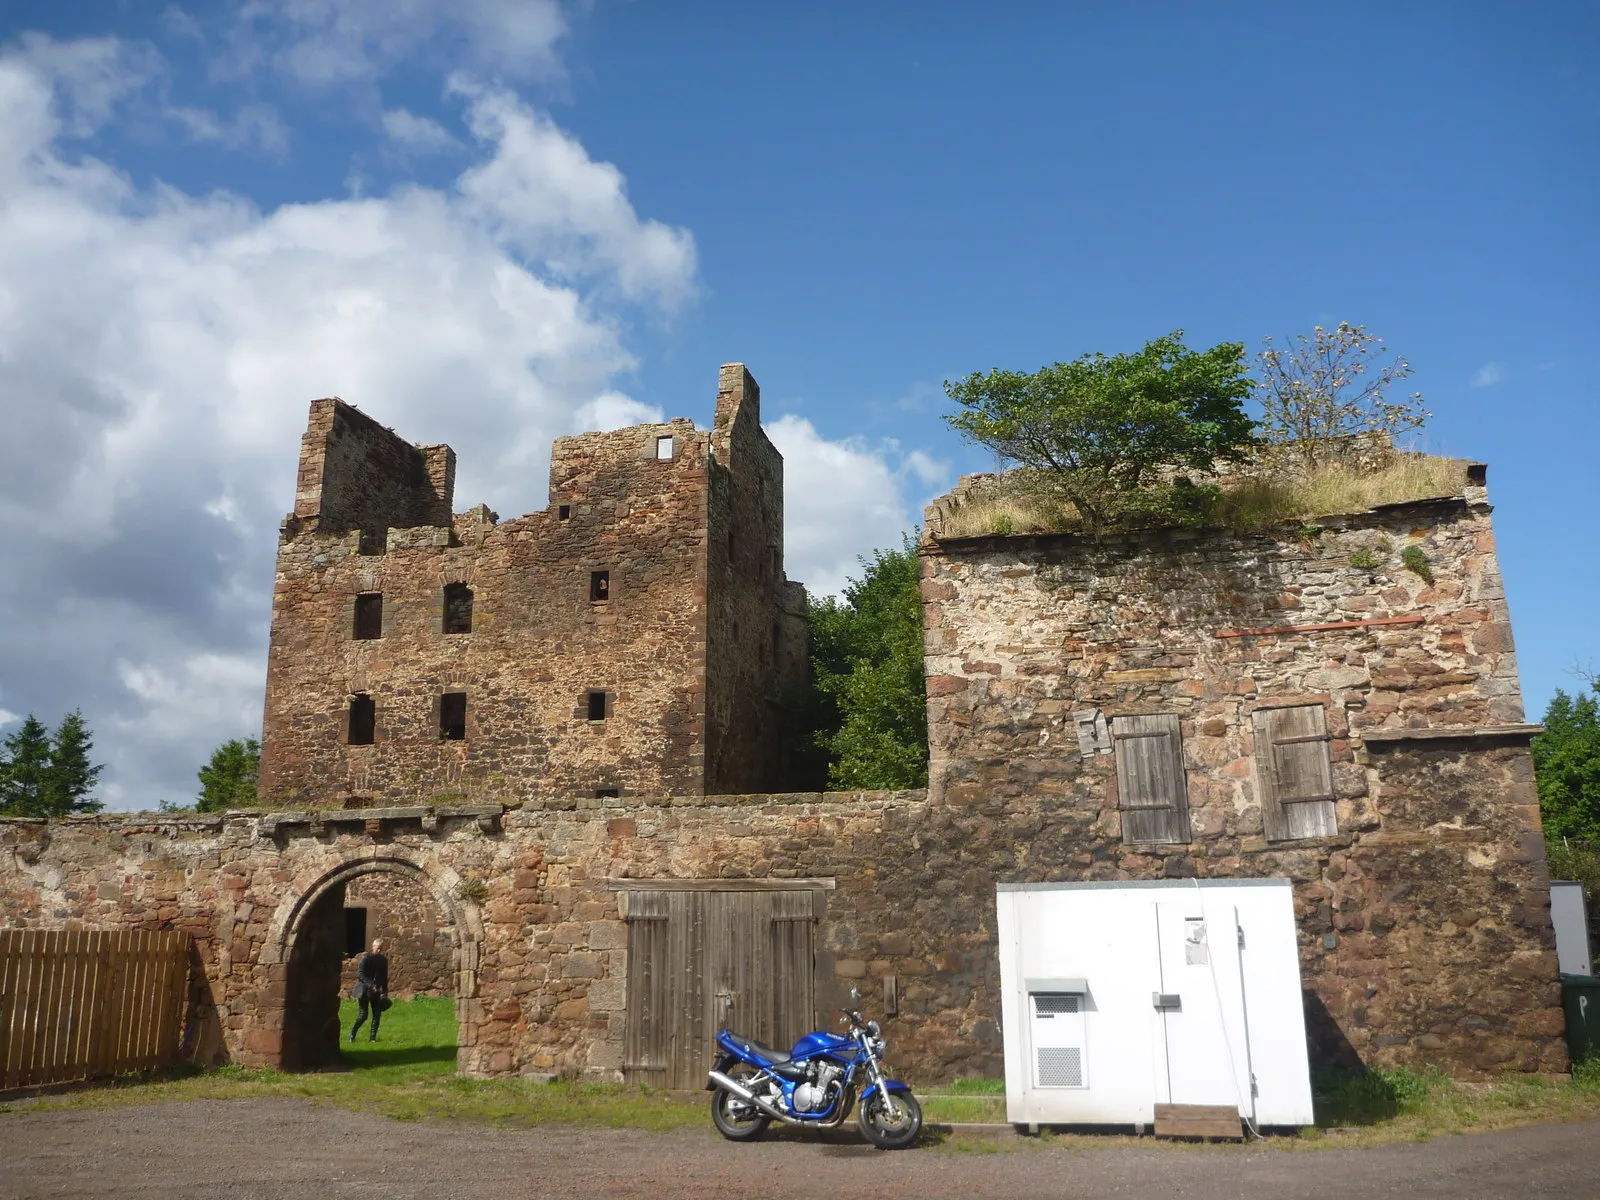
pixel 701 960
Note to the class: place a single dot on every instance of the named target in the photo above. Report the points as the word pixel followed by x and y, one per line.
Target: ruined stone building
pixel 635 636
pixel 1298 703
pixel 1292 703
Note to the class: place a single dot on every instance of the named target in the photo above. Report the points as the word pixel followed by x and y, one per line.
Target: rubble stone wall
pixel 1424 922
pixel 1440 949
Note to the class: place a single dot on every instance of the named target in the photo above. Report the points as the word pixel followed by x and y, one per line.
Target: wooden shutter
pixel 1294 772
pixel 1153 792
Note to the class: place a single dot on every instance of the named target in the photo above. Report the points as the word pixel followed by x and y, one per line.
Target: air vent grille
pixel 1060 1066
pixel 1050 1003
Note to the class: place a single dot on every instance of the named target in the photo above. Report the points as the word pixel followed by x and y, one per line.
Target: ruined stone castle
pixel 636 636
pixel 556 737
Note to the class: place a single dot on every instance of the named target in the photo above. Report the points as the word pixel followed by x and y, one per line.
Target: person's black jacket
pixel 372 975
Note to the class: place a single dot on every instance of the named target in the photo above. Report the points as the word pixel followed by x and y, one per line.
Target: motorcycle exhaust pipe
pixel 749 1097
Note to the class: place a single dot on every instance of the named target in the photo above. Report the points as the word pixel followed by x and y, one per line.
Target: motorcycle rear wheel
pixel 892 1121
pixel 734 1119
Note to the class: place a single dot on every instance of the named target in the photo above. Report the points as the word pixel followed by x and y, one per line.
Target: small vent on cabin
pixel 1060 1066
pixel 1049 1004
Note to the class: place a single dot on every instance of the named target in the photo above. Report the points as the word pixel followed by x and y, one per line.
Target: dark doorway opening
pixel 355 931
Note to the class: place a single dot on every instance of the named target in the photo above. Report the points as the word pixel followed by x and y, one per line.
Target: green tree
pixel 71 775
pixel 45 775
pixel 868 707
pixel 1315 391
pixel 1566 763
pixel 229 779
pixel 1099 430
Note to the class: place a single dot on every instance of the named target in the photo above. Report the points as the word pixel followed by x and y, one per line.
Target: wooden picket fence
pixel 81 1003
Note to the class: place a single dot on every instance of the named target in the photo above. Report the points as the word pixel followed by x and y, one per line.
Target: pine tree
pixel 229 779
pixel 24 770
pixel 70 776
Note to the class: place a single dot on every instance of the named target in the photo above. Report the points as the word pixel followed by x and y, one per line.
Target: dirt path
pixel 268 1148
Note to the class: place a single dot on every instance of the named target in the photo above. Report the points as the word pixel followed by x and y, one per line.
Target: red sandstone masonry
pixel 681 629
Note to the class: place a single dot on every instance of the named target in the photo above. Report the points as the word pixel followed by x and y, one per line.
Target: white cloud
pixel 158 351
pixel 333 42
pixel 420 135
pixel 1488 375
pixel 255 127
pixel 542 193
pixel 7 716
pixel 843 500
pixel 613 410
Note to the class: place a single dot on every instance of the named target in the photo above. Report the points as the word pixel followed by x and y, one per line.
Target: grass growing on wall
pixel 1248 504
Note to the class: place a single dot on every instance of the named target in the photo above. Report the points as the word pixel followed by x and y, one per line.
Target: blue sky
pixel 491 223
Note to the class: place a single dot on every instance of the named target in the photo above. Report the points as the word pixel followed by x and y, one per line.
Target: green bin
pixel 1580 996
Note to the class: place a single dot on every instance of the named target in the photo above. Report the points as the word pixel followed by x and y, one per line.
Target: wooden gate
pixel 701 958
pixel 78 1003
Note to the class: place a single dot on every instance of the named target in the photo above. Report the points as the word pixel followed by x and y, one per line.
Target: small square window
pixel 563 511
pixel 597 705
pixel 369 617
pixel 599 585
pixel 362 721
pixel 664 447
pixel 453 716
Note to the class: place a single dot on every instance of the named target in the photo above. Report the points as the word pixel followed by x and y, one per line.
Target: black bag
pixel 384 1004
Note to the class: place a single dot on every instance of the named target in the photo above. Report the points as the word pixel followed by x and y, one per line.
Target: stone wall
pixel 1424 917
pixel 543 634
pixel 745 599
pixel 417 937
pixel 1438 949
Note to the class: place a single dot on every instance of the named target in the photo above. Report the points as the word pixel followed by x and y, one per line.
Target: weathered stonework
pixel 417 940
pixel 1424 921
pixel 689 638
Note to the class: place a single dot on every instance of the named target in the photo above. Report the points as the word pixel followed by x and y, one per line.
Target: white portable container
pixel 1570 915
pixel 1116 997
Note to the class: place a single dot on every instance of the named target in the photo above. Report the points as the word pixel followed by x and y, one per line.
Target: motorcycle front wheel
pixel 734 1119
pixel 890 1121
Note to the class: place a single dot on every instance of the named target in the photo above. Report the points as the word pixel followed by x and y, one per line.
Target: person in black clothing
pixel 372 985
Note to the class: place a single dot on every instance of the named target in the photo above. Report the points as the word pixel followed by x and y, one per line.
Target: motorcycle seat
pixel 751 1046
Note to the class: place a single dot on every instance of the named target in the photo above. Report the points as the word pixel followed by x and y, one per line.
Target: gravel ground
pixel 244 1149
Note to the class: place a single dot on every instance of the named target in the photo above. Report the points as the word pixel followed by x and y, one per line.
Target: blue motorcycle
pixel 816 1084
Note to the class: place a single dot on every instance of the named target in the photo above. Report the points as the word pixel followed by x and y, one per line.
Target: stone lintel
pixel 764 884
pixel 1377 738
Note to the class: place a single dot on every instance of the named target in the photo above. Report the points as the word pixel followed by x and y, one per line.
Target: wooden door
pixel 700 960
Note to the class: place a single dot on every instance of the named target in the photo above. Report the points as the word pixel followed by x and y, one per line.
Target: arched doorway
pixel 430 938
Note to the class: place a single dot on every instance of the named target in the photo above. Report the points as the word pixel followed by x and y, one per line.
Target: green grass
pixel 416 1040
pixel 1249 503
pixel 409 1075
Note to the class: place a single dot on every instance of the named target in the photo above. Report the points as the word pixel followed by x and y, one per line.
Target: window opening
pixel 373 541
pixel 457 608
pixel 597 705
pixel 363 720
pixel 563 511
pixel 453 716
pixel 355 931
pixel 599 585
pixel 369 617
pixel 606 793
pixel 664 447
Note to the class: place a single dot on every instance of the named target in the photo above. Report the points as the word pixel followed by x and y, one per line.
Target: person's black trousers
pixel 368 1003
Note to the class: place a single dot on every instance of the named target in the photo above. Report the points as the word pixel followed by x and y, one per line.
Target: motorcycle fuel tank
pixel 820 1042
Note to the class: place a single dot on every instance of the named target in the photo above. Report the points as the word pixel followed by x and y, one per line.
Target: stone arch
pixel 287 948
